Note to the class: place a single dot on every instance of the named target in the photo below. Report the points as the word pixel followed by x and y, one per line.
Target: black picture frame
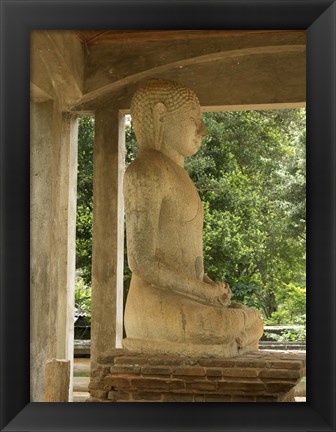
pixel 18 18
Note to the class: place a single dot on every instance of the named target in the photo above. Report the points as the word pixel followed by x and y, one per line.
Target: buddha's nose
pixel 202 130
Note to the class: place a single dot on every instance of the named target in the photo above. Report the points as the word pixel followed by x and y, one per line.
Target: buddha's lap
pixel 155 313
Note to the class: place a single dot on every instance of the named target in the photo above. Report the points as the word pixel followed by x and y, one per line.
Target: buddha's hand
pixel 221 294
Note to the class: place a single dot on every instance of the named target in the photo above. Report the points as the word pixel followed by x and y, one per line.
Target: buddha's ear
pixel 158 113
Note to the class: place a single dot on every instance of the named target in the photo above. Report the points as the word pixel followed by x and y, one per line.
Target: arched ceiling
pixel 225 68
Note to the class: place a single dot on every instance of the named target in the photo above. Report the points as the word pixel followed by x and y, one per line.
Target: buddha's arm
pixel 144 195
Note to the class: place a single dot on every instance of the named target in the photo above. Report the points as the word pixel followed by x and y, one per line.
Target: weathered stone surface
pixel 202 385
pixel 125 369
pixel 250 363
pixel 110 355
pixel 133 360
pixel 240 387
pixel 118 395
pixel 221 363
pixel 285 365
pixel 154 360
pixel 189 371
pixel 156 370
pixel 95 385
pixel 240 372
pixel 182 379
pixel 111 382
pixel 172 306
pixel 280 373
pixel 159 384
pixel 279 387
pixel 214 372
pixel 101 394
pixel 99 372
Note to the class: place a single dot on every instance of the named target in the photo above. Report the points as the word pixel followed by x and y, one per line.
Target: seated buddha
pixel 172 306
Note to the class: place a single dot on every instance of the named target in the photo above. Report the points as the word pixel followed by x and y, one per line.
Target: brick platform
pixel 262 376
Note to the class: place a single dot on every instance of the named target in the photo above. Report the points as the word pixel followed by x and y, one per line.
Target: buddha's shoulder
pixel 149 164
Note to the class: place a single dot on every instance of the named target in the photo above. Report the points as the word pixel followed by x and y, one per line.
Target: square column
pixel 108 232
pixel 53 229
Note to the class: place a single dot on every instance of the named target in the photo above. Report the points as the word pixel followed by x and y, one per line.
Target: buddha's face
pixel 184 129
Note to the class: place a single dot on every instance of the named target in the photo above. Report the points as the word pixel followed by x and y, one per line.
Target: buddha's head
pixel 166 113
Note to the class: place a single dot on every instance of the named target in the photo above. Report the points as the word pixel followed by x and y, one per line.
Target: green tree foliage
pixel 82 297
pixel 250 174
pixel 84 197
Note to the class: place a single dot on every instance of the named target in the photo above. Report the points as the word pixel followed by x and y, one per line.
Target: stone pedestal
pixel 261 376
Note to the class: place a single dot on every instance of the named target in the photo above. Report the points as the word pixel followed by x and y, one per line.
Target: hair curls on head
pixel 173 95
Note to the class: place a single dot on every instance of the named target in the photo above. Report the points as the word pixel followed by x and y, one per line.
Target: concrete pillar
pixel 41 120
pixel 108 232
pixel 53 216
pixel 63 239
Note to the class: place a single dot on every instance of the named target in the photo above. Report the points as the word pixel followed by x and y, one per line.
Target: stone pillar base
pixel 261 376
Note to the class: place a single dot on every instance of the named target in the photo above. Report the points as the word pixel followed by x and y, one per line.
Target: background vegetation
pixel 250 174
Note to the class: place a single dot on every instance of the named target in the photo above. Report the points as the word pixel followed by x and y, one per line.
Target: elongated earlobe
pixel 158 112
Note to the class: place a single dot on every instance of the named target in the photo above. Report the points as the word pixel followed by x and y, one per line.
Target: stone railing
pixel 82 346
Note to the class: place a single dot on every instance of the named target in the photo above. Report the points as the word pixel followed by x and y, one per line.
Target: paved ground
pixel 82 368
pixel 80 396
pixel 81 384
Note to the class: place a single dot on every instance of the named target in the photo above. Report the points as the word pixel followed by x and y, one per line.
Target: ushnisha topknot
pixel 173 95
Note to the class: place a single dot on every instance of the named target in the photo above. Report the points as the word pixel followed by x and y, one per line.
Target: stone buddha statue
pixel 173 307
